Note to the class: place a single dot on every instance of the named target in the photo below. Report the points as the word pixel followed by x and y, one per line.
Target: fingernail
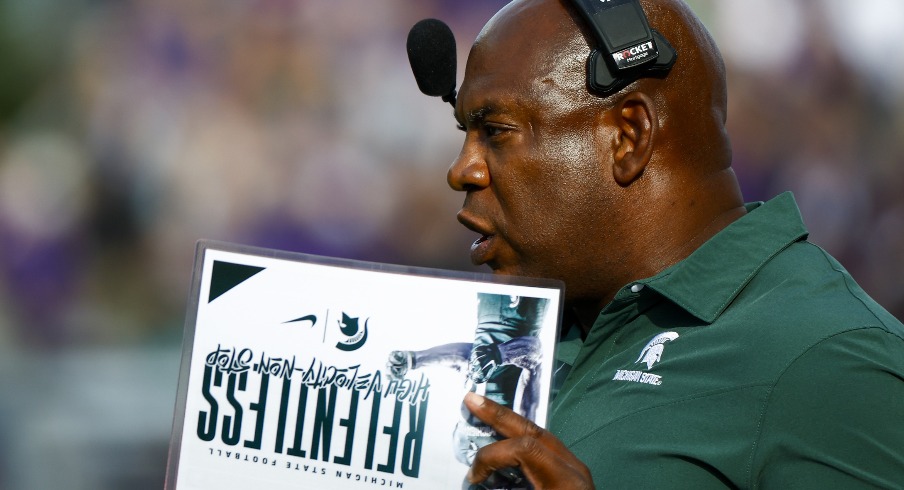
pixel 474 398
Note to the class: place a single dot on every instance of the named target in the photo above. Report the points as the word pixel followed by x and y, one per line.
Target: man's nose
pixel 469 171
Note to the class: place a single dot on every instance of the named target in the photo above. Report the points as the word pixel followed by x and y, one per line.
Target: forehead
pixel 528 51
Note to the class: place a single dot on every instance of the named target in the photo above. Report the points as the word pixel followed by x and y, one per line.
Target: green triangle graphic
pixel 227 275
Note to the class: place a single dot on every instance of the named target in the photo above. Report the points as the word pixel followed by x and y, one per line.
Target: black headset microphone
pixel 626 49
pixel 431 52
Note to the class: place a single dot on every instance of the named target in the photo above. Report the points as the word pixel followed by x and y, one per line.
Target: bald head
pixel 553 42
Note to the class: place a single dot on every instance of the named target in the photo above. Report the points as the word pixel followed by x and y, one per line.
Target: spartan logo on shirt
pixel 650 355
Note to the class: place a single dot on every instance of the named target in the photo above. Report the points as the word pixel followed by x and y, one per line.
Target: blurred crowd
pixel 130 129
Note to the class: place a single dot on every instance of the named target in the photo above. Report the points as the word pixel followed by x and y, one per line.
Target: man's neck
pixel 587 311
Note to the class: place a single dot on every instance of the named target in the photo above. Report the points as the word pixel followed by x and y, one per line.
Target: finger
pixel 508 453
pixel 543 458
pixel 542 467
pixel 504 420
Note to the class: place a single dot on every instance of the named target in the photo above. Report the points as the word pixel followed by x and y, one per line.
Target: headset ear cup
pixel 602 81
pixel 625 48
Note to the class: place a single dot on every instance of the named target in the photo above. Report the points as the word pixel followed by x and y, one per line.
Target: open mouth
pixel 480 249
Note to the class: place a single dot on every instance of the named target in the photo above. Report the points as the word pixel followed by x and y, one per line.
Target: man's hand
pixel 542 457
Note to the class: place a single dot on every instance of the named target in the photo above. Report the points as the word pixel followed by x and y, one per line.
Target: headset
pixel 627 48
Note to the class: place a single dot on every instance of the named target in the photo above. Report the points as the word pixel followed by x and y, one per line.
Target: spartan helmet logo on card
pixel 652 353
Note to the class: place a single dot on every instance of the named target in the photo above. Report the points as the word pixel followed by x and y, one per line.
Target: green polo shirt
pixel 757 362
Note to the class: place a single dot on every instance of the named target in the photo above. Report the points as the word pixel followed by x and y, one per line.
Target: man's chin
pixel 507 270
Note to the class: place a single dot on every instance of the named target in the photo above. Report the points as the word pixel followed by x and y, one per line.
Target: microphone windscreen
pixel 431 52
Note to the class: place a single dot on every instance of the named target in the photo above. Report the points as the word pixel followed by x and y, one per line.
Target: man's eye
pixel 492 131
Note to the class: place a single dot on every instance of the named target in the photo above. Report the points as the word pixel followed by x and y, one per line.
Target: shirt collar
pixel 706 282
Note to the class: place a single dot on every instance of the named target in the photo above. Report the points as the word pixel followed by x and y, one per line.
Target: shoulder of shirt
pixel 806 289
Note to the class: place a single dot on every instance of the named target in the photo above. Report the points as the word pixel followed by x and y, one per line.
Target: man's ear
pixel 635 118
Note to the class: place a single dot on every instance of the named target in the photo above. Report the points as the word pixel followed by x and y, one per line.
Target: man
pixel 712 345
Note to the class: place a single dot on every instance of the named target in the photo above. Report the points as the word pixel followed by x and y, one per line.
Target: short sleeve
pixel 835 417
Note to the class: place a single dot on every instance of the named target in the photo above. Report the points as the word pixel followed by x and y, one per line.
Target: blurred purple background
pixel 129 129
